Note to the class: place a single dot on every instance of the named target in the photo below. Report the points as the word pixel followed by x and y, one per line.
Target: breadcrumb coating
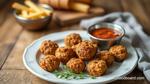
pixel 72 39
pixel 76 65
pixel 96 67
pixel 106 56
pixel 86 50
pixel 64 54
pixel 49 63
pixel 119 52
pixel 48 47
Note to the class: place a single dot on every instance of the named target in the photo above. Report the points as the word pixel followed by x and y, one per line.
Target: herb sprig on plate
pixel 66 73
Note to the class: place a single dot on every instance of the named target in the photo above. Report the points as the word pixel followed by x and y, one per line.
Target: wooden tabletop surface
pixel 14 39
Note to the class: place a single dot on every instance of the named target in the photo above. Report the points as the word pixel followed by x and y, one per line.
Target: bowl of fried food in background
pixel 32 16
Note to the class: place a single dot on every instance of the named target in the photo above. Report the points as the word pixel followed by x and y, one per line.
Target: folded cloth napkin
pixel 134 33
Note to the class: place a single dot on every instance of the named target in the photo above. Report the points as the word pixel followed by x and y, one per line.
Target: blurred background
pixel 140 8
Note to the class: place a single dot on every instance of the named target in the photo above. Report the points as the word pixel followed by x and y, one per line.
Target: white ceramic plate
pixel 117 70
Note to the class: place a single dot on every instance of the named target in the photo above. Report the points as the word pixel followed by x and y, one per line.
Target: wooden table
pixel 14 39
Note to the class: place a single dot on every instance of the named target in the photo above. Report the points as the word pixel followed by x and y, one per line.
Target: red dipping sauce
pixel 105 33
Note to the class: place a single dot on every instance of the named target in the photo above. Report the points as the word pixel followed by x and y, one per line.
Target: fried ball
pixel 64 54
pixel 96 67
pixel 86 50
pixel 76 65
pixel 72 39
pixel 119 52
pixel 48 47
pixel 49 63
pixel 106 56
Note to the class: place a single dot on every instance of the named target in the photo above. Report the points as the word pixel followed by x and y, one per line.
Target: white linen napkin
pixel 134 32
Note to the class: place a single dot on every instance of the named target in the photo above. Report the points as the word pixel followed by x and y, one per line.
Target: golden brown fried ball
pixel 76 65
pixel 86 50
pixel 119 52
pixel 72 39
pixel 96 67
pixel 49 63
pixel 64 54
pixel 106 56
pixel 48 47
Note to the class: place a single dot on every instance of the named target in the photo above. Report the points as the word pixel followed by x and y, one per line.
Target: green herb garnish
pixel 66 73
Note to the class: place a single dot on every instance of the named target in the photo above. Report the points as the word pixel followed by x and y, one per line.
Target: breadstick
pixel 64 4
pixel 24 13
pixel 84 1
pixel 19 7
pixel 44 1
pixel 79 7
pixel 46 11
pixel 34 15
pixel 54 3
pixel 33 6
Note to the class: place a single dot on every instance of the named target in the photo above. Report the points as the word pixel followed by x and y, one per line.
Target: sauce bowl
pixel 106 43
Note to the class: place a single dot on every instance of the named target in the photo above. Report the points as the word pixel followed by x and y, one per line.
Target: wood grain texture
pixel 66 18
pixel 135 7
pixel 15 56
pixel 5 10
pixel 19 77
pixel 109 5
pixel 8 38
pixel 146 4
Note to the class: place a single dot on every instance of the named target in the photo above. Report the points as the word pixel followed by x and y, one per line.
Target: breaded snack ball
pixel 72 39
pixel 49 63
pixel 76 65
pixel 64 54
pixel 86 50
pixel 119 52
pixel 106 56
pixel 48 47
pixel 96 67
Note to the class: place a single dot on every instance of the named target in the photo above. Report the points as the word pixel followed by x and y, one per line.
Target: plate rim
pixel 55 81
